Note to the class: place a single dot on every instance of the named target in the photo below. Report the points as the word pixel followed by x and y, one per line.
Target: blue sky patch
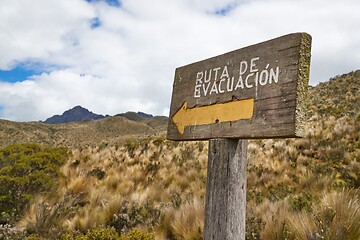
pixel 114 3
pixel 95 23
pixel 225 10
pixel 18 74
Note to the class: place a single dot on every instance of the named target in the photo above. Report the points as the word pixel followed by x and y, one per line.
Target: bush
pixel 301 202
pixel 26 170
pixel 130 216
pixel 93 234
pixel 97 172
pixel 136 234
pixel 109 234
pixel 131 146
pixel 159 141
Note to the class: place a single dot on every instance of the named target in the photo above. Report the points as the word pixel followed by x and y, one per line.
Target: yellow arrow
pixel 221 112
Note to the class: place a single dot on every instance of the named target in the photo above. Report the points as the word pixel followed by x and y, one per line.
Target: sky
pixel 113 56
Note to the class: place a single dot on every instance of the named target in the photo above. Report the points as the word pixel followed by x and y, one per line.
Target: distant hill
pixel 76 114
pixel 139 116
pixel 76 128
pixel 112 130
pixel 79 114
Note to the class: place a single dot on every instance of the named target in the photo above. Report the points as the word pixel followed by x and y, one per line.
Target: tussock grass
pixel 188 220
pixel 337 217
pixel 141 184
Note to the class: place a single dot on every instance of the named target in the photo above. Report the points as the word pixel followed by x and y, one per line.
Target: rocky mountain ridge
pixel 80 114
pixel 76 114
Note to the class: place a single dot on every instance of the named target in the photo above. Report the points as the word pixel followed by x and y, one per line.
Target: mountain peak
pixel 76 114
pixel 78 107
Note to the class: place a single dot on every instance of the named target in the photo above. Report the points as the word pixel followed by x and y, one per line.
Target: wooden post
pixel 225 205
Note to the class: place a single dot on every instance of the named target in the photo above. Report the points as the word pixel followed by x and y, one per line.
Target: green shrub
pixel 131 146
pixel 103 145
pixel 187 153
pixel 136 234
pixel 97 172
pixel 127 218
pixel 254 226
pixel 100 234
pixel 301 202
pixel 26 170
pixel 93 234
pixel 201 146
pixel 130 216
pixel 159 141
pixel 256 195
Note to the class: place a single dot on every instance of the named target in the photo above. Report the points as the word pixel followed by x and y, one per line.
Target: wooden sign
pixel 254 92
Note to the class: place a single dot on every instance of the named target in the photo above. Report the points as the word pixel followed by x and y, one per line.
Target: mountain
pixel 139 116
pixel 79 114
pixel 145 115
pixel 76 114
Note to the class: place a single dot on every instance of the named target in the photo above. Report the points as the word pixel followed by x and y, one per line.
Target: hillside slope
pixel 89 133
pixel 340 96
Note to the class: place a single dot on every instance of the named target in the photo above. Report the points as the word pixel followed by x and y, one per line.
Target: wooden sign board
pixel 254 92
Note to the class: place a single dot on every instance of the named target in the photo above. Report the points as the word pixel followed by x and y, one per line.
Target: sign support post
pixel 256 92
pixel 225 209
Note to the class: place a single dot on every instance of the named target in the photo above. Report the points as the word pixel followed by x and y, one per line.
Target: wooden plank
pixel 225 204
pixel 274 73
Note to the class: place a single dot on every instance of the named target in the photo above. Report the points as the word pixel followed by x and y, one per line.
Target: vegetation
pixel 151 188
pixel 80 134
pixel 153 185
pixel 26 170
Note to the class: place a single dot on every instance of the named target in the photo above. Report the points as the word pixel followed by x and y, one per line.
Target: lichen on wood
pixel 302 83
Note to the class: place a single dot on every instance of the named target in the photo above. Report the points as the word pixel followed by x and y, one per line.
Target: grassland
pixel 149 188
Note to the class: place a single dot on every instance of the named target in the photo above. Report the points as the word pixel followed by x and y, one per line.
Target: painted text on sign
pixel 221 80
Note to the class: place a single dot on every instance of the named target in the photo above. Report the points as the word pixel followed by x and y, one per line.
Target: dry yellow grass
pixel 112 182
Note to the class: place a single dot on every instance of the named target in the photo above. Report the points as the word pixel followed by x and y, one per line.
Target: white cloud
pixel 60 90
pixel 128 61
pixel 35 30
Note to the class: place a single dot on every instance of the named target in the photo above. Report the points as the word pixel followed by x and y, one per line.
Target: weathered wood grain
pixel 225 205
pixel 279 106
